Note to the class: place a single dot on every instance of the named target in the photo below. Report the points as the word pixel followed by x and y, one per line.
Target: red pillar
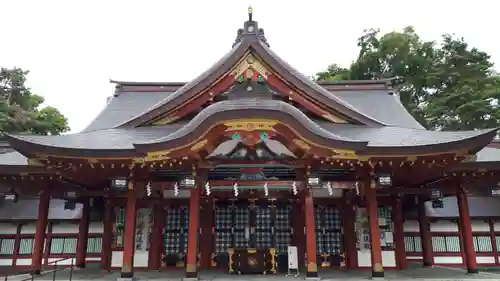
pixel 156 247
pixel 107 235
pixel 207 222
pixel 349 215
pixel 425 233
pixel 375 245
pixel 41 226
pixel 312 266
pixel 83 234
pixel 192 244
pixel 466 229
pixel 129 235
pixel 399 235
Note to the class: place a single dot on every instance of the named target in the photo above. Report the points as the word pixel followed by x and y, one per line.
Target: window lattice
pixel 497 238
pixel 332 218
pixel 446 244
pixel 263 218
pixel 263 239
pixel 223 241
pixel 7 246
pixel 283 218
pixel 176 230
pixel 26 246
pixel 453 244
pixel 94 245
pixel 413 244
pixel 223 218
pixel 328 229
pixel 482 244
pixel 63 245
pixel 242 218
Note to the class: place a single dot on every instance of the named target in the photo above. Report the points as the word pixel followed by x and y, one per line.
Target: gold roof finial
pixel 250 12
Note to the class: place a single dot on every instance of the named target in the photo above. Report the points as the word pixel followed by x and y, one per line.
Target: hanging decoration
pixel 176 189
pixel 235 188
pixel 294 188
pixel 266 190
pixel 148 189
pixel 356 185
pixel 207 188
pixel 330 189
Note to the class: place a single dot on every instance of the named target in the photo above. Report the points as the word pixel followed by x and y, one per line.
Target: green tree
pixel 444 86
pixel 467 88
pixel 20 109
pixel 333 73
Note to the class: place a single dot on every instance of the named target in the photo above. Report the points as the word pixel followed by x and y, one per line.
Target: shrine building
pixel 230 169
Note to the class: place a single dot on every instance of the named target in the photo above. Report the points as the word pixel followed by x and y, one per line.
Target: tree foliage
pixel 20 109
pixel 446 85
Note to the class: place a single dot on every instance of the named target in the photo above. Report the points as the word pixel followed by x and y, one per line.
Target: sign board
pixel 293 262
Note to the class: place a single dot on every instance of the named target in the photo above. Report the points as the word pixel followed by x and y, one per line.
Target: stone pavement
pixel 413 274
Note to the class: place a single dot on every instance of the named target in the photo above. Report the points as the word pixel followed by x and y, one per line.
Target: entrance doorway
pixel 329 236
pixel 258 224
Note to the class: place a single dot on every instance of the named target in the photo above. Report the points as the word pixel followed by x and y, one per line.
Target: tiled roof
pixel 372 138
pixel 123 106
pixel 382 105
pixel 109 139
pixel 391 136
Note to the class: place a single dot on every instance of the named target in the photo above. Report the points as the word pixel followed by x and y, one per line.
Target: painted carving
pixel 253 64
pixel 344 154
pixel 157 155
pixel 249 125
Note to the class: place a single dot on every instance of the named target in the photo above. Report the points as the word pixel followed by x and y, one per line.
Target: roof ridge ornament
pixel 250 30
pixel 250 13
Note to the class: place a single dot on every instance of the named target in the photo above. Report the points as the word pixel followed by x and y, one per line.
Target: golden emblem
pixel 250 59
